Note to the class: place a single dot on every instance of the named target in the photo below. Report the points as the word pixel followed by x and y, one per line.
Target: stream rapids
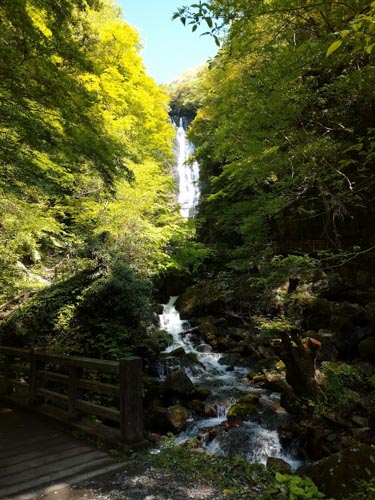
pixel 258 438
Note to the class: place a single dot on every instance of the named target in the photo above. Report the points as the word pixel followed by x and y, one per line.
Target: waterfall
pixel 188 174
pixel 256 440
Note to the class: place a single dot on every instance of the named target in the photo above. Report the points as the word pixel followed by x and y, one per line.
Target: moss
pixel 202 392
pixel 252 399
pixel 242 410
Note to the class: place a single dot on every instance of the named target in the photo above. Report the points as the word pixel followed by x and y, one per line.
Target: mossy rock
pixel 207 329
pixel 201 393
pixel 242 410
pixel 252 398
pixel 178 416
pixel 337 474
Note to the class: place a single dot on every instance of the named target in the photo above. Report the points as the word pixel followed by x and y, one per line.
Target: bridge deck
pixel 37 456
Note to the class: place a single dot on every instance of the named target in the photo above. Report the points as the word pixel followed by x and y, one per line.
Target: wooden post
pixel 74 376
pixel 7 388
pixel 131 408
pixel 33 379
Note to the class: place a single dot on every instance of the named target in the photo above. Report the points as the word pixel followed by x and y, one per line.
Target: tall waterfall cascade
pixel 256 439
pixel 187 174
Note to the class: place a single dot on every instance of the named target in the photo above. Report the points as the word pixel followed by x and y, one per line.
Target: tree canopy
pixel 86 145
pixel 285 136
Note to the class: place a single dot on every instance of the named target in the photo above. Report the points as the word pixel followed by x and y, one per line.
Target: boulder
pixel 180 351
pixel 251 398
pixel 275 381
pixel 205 348
pixel 279 464
pixel 230 359
pixel 177 416
pixel 178 383
pixel 337 474
pixel 243 411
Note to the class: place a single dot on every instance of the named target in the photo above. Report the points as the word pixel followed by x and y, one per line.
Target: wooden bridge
pixel 34 452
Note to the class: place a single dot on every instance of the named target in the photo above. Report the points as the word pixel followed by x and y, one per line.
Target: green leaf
pixel 209 21
pixel 334 46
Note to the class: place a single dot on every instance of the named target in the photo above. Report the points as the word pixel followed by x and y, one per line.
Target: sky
pixel 170 49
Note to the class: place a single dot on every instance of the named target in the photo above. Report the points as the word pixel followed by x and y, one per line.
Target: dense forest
pixel 275 271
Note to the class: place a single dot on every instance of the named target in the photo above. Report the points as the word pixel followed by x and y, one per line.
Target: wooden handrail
pixel 39 366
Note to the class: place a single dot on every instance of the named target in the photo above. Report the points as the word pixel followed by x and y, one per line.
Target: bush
pixel 95 314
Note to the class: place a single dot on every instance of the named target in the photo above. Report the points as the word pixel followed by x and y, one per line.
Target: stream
pixel 255 439
pixel 258 438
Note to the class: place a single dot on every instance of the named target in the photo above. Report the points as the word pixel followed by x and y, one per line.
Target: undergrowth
pixel 234 477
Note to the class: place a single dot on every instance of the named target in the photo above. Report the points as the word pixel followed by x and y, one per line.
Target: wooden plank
pixel 15 351
pixel 99 387
pixel 51 476
pixel 100 411
pixel 53 377
pixel 18 383
pixel 80 362
pixel 52 395
pixel 22 368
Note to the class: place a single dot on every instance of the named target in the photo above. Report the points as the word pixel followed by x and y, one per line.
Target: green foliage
pixel 365 491
pixel 235 477
pixel 293 488
pixel 284 136
pixel 342 382
pixel 98 313
pixel 86 147
pixel 360 33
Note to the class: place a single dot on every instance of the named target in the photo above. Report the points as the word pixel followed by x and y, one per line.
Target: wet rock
pixel 274 381
pixel 231 359
pixel 206 348
pixel 177 382
pixel 337 474
pixel 210 410
pixel 180 351
pixel 251 398
pixel 242 410
pixel 197 406
pixel 177 416
pixel 233 423
pixel 201 393
pixel 279 464
pixel 366 349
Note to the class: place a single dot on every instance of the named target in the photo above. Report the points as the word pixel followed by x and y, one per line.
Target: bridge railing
pixel 70 384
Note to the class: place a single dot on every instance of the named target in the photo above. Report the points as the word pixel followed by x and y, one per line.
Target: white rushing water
pixel 188 174
pixel 254 440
